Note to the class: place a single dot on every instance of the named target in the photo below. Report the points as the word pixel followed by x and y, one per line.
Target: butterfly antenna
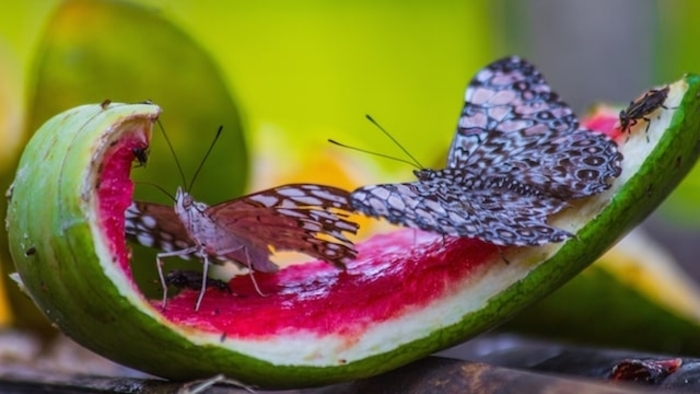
pixel 172 150
pixel 375 153
pixel 394 140
pixel 170 196
pixel 206 155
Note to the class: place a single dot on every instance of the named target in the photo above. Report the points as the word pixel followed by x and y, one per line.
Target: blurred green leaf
pixel 97 50
pixel 676 55
pixel 635 285
pixel 117 50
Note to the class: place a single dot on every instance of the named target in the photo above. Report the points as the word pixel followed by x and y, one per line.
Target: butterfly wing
pixel 445 205
pixel 513 126
pixel 297 217
pixel 156 226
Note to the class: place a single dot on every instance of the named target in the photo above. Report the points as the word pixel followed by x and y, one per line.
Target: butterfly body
pixel 517 158
pixel 210 239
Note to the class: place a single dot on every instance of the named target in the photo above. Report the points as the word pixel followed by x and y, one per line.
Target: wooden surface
pixel 504 364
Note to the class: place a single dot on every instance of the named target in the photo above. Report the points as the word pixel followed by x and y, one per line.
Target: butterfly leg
pixel 248 265
pixel 252 272
pixel 255 284
pixel 159 265
pixel 205 272
pixel 164 286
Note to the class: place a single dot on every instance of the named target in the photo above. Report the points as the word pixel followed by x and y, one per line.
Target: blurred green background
pixel 283 77
pixel 305 72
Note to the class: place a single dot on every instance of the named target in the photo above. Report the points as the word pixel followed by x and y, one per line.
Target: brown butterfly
pixel 306 218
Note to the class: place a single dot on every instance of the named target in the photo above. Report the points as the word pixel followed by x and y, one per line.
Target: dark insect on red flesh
pixel 518 157
pixel 641 108
pixel 192 280
pixel 141 156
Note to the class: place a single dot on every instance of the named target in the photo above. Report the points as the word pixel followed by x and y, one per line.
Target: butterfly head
pixel 424 174
pixel 183 200
pixel 185 203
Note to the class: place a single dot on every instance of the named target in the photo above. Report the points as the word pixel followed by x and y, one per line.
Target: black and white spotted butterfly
pixel 518 156
pixel 306 218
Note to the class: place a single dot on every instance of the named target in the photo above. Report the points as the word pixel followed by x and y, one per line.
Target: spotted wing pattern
pixel 518 156
pixel 307 218
pixel 298 217
pixel 156 226
pixel 441 202
pixel 514 126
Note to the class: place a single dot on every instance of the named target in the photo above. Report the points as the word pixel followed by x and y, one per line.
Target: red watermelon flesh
pixel 393 274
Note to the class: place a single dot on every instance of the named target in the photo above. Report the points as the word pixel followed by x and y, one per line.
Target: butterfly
pixel 642 107
pixel 306 218
pixel 518 157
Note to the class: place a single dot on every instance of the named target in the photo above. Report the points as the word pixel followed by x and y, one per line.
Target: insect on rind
pixel 642 108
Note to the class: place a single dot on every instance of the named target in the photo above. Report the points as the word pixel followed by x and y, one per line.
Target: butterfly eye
pixel 187 202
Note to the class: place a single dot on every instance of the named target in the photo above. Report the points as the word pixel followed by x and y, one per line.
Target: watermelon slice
pixel 408 294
